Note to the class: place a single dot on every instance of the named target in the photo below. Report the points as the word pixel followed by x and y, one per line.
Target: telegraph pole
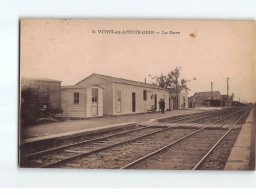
pixel 227 85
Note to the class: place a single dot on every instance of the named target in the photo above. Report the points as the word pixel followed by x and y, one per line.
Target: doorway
pixel 94 102
pixel 155 102
pixel 133 102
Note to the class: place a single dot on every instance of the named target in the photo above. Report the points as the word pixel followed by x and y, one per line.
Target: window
pixel 144 94
pixel 94 95
pixel 119 96
pixel 76 98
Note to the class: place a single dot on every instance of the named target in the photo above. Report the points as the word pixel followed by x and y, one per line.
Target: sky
pixel 71 49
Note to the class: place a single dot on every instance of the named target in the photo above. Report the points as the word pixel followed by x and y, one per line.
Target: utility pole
pixel 227 85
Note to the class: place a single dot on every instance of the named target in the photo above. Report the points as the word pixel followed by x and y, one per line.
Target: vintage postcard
pixel 137 94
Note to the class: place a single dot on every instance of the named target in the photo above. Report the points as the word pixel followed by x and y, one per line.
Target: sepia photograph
pixel 141 94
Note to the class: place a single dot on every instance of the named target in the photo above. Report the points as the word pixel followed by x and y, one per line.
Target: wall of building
pixel 107 92
pixel 84 107
pixel 200 101
pixel 141 104
pixel 69 109
pixel 183 99
pixel 173 101
pixel 182 103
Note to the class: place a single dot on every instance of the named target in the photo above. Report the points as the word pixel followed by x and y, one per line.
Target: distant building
pixel 226 100
pixel 120 96
pixel 182 95
pixel 46 92
pixel 205 99
pixel 237 103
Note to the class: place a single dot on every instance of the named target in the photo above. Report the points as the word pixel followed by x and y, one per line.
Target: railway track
pixel 27 149
pixel 194 117
pixel 186 153
pixel 30 149
pixel 64 155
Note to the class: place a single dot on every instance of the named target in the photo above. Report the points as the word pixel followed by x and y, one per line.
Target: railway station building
pixel 116 96
pixel 178 99
pixel 207 98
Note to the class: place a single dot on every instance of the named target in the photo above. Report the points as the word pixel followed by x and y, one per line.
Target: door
pixel 94 101
pixel 118 102
pixel 171 104
pixel 155 102
pixel 133 102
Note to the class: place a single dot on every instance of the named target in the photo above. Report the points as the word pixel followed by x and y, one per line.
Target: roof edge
pixel 104 77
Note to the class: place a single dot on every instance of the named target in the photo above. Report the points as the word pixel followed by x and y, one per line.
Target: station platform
pixel 48 130
pixel 78 133
pixel 241 153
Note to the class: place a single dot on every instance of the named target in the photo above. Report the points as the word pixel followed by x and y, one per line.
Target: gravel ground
pixel 219 156
pixel 183 155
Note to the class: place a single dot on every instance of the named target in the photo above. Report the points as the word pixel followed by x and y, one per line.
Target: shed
pixel 227 100
pixel 178 98
pixel 46 93
pixel 82 102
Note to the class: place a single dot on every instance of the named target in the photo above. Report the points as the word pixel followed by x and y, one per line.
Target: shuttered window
pixel 76 98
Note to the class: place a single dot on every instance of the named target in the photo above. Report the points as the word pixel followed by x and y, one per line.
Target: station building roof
pixel 125 81
pixel 38 79
pixel 179 89
pixel 77 87
pixel 208 95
